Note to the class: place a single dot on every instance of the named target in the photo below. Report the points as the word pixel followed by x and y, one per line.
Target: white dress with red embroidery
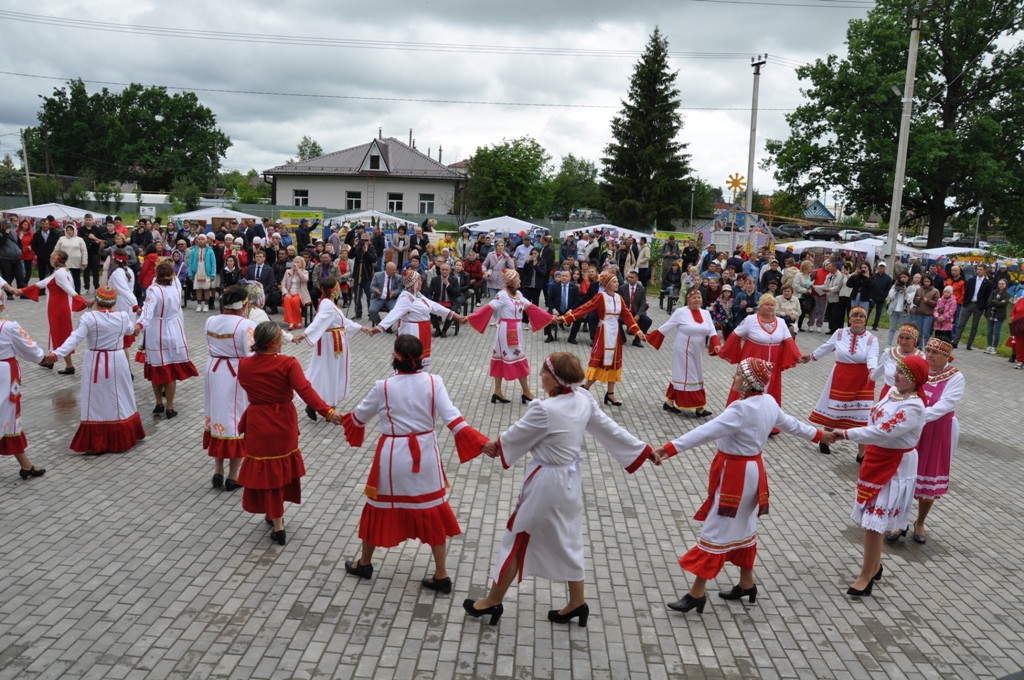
pixel 886 368
pixel 508 358
pixel 545 532
pixel 126 301
pixel 849 391
pixel 166 352
pixel 412 313
pixel 737 486
pixel 229 338
pixel 331 361
pixel 695 330
pixel 773 343
pixel 885 487
pixel 110 421
pixel 14 343
pixel 407 491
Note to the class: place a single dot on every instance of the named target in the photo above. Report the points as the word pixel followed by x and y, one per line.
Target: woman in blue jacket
pixel 202 276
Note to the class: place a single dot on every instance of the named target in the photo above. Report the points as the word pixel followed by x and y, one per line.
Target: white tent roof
pixel 936 253
pixel 501 225
pixel 366 216
pixel 208 214
pixel 605 227
pixel 58 210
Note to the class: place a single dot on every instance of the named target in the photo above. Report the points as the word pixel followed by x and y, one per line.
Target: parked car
pixel 822 234
pixel 558 217
pixel 788 231
pixel 864 235
pixel 850 235
pixel 961 243
pixel 918 242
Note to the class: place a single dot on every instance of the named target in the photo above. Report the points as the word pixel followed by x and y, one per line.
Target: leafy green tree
pixel 143 135
pixel 12 180
pixel 510 178
pixel 104 194
pixel 77 194
pixel 248 188
pixel 575 185
pixel 967 133
pixel 788 204
pixel 644 166
pixel 851 222
pixel 184 196
pixel 309 148
pixel 46 189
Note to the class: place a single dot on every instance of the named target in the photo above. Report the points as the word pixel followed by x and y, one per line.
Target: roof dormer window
pixel 374 162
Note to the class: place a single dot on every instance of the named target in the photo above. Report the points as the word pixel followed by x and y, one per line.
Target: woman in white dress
pixel 412 312
pixel 696 329
pixel 229 337
pixel 849 391
pixel 544 536
pixel 110 422
pixel 737 485
pixel 906 346
pixel 122 280
pixel 328 334
pixel 407 490
pixel 14 343
pixel 885 486
pixel 508 358
pixel 166 351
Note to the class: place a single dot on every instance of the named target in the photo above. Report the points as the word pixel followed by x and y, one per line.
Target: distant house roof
pixel 816 210
pixel 396 160
pixel 461 166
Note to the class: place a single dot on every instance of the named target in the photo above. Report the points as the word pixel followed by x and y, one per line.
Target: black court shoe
pixel 895 537
pixel 171 413
pixel 583 611
pixel 311 413
pixel 824 448
pixel 670 407
pixel 70 370
pixel 360 570
pixel 231 485
pixel 34 472
pixel 608 399
pixel 443 585
pixel 689 602
pixel 853 592
pixel 159 408
pixel 878 576
pixel 278 537
pixel 495 399
pixel 738 593
pixel 525 399
pixel 218 481
pixel 494 612
pixel 704 413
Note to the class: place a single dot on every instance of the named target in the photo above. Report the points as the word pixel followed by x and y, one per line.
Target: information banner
pixel 291 220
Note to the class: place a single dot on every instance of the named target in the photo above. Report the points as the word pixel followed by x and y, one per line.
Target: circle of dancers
pixel 905 440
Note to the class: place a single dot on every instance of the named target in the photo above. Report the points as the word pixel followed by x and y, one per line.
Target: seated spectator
pixel 788 308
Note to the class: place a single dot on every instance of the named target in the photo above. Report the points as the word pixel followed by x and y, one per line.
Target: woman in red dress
pixel 1016 342
pixel 61 300
pixel 273 465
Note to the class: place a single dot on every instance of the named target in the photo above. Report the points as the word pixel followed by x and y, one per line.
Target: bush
pixel 184 196
pixel 77 194
pixel 45 190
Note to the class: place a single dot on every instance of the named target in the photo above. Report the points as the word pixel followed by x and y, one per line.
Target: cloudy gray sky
pixel 265 129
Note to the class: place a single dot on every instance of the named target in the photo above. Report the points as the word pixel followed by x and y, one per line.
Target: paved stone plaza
pixel 132 566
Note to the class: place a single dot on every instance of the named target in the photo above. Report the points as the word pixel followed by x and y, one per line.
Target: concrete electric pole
pixel 24 161
pixel 748 199
pixel 901 153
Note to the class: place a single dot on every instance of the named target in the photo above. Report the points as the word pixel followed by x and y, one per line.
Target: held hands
pixel 48 360
pixel 805 359
pixel 828 438
pixel 460 318
pixel 336 417
pixel 368 331
pixel 659 456
pixel 299 338
pixel 376 330
pixel 490 449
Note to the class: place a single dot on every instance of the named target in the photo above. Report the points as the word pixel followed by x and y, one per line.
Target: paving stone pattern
pixel 132 566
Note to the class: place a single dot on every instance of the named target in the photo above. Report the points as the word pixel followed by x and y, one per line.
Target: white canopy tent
pixel 606 227
pixel 58 210
pixel 502 225
pixel 209 214
pixel 936 253
pixel 367 216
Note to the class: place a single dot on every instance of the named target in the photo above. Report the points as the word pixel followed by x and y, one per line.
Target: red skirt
pixel 686 399
pixel 13 444
pixel 388 527
pixel 707 565
pixel 104 436
pixel 269 481
pixel 224 449
pixel 270 502
pixel 161 375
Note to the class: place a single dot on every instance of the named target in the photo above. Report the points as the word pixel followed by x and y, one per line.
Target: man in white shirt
pixel 522 253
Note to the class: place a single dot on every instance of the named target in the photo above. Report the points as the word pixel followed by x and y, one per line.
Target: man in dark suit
pixel 976 292
pixel 563 295
pixel 43 243
pixel 364 261
pixel 384 290
pixel 444 290
pixel 636 301
pixel 264 273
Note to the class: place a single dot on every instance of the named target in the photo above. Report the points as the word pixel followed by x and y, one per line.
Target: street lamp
pixel 693 194
pixel 977 224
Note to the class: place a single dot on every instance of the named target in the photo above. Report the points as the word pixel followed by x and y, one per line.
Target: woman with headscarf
pixel 738 486
pixel 166 351
pixel 122 280
pixel 906 346
pixel 15 343
pixel 254 309
pixel 412 312
pixel 328 334
pixel 272 467
pixel 544 536
pixel 885 486
pixel 110 421
pixel 696 329
pixel 229 339
pixel 508 358
pixel 407 490
pixel 61 300
pixel 849 391
pixel 606 354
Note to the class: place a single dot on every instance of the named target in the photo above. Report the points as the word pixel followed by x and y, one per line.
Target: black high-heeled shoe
pixel 525 399
pixel 218 481
pixel 670 407
pixel 878 576
pixel 360 570
pixel 860 459
pixel 443 585
pixel 894 538
pixel 34 472
pixel 738 593
pixel 494 612
pixel 853 592
pixel 310 413
pixel 583 611
pixel 608 399
pixel 495 399
pixel 278 537
pixel 689 602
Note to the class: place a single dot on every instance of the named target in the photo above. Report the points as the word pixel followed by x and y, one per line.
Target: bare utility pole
pixel 748 198
pixel 24 161
pixel 901 153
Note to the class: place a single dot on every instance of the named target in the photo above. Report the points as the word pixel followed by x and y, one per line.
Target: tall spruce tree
pixel 645 167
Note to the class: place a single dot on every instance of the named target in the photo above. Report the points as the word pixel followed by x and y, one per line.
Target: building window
pixel 374 162
pixel 354 200
pixel 394 203
pixel 427 204
pixel 300 197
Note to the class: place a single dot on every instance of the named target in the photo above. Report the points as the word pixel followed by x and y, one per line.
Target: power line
pixel 380 99
pixel 847 4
